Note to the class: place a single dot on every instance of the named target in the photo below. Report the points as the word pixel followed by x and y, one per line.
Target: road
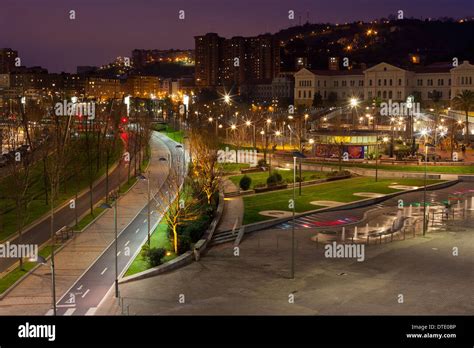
pixel 40 233
pixel 88 291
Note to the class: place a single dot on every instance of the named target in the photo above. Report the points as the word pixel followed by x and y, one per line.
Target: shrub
pixel 274 179
pixel 245 182
pixel 153 255
pixel 338 173
pixel 261 163
pixel 298 179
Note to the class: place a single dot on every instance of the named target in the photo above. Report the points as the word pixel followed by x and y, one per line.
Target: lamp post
pixel 42 261
pixel 424 133
pixel 53 273
pixel 293 223
pixel 147 178
pixel 108 206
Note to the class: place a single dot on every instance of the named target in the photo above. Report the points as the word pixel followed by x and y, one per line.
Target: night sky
pixel 44 35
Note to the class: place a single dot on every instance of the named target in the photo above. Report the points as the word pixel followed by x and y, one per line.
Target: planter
pixel 271 188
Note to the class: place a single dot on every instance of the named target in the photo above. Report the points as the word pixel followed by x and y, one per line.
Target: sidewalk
pixel 233 213
pixel 33 295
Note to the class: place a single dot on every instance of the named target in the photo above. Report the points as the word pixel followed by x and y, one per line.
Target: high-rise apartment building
pixel 235 61
pixel 7 60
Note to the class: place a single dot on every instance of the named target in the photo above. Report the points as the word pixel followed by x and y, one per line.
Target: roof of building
pixel 438 67
pixel 338 72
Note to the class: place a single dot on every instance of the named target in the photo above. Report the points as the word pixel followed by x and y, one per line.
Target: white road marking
pixel 70 311
pixel 138 230
pixel 128 242
pixel 87 291
pixel 91 311
pixel 79 288
pixel 119 253
pixel 105 269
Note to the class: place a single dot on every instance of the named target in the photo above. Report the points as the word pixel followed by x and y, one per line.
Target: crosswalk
pixel 318 220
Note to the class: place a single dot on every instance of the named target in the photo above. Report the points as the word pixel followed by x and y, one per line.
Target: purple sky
pixel 44 35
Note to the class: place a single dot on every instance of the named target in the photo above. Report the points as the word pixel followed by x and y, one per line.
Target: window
pixel 336 83
pixel 344 83
pixel 399 82
pixel 352 83
pixel 304 94
pixel 390 94
pixel 384 94
pixel 399 95
pixel 370 94
pixel 361 83
pixel 309 94
pixel 370 82
pixel 390 82
pixel 384 82
pixel 440 82
pixel 380 82
pixel 419 82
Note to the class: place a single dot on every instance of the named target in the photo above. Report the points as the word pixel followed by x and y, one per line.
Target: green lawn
pixel 261 177
pixel 176 135
pixel 159 239
pixel 37 205
pixel 341 191
pixel 468 169
pixel 228 168
pixel 10 278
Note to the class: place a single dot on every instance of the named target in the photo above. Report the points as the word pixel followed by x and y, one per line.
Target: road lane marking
pixel 128 242
pixel 70 311
pixel 105 269
pixel 119 253
pixel 87 291
pixel 91 311
pixel 138 230
pixel 79 288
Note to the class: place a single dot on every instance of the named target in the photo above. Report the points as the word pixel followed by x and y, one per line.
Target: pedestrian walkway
pixel 233 213
pixel 33 294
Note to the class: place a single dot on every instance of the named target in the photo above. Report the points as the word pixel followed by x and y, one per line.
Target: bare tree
pixel 207 172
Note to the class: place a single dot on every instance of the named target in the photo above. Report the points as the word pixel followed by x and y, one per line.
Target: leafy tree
pixel 465 102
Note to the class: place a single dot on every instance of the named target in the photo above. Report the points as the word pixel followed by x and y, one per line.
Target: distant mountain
pixel 389 40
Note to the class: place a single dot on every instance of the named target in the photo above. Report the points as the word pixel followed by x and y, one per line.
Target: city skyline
pixel 66 43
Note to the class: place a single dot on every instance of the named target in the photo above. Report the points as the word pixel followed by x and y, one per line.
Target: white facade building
pixel 383 81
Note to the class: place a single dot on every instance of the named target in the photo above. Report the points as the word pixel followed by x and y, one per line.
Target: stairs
pixel 224 237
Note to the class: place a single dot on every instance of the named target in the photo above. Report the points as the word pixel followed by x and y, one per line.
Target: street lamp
pixel 142 177
pixel 109 206
pixel 424 133
pixel 42 261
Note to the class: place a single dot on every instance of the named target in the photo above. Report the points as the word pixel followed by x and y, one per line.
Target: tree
pixel 176 204
pixel 207 172
pixel 465 102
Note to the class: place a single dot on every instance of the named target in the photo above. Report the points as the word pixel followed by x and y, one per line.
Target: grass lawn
pixel 261 177
pixel 13 276
pixel 341 191
pixel 173 134
pixel 228 168
pixel 410 168
pixel 37 205
pixel 159 239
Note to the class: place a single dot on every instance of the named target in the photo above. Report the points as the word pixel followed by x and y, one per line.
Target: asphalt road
pixel 41 232
pixel 88 291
